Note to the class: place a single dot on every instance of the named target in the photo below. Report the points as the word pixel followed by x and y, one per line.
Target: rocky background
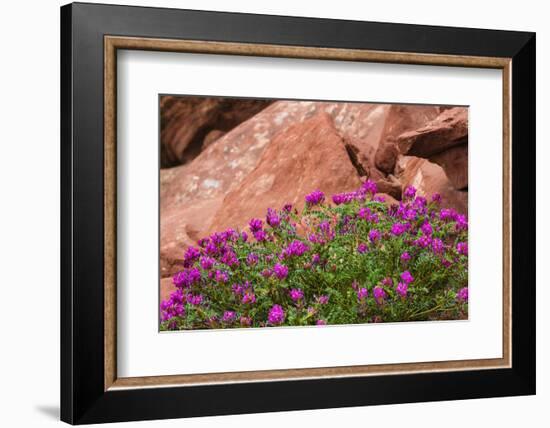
pixel 224 160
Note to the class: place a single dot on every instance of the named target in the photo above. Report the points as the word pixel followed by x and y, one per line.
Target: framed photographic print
pixel 265 213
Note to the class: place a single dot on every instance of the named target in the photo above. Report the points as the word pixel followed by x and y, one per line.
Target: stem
pixel 435 308
pixel 308 316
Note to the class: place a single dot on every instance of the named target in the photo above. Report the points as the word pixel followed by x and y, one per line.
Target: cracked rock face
pixel 189 124
pixel 429 178
pixel 191 194
pixel 400 119
pixel 291 148
pixel 290 169
pixel 444 141
pixel 447 130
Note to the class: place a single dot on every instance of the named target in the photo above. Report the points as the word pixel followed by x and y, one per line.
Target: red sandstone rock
pixel 192 195
pixel 391 186
pixel 362 157
pixel 361 125
pixel 186 121
pixel 233 155
pixel 454 162
pixel 429 178
pixel 400 119
pixel 180 227
pixel 223 164
pixel 386 155
pixel 306 156
pixel 449 129
pixel 212 137
pixel 443 141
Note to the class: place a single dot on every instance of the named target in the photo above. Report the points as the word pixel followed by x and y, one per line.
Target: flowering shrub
pixel 351 261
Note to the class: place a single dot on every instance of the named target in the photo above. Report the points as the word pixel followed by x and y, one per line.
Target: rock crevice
pixel 444 141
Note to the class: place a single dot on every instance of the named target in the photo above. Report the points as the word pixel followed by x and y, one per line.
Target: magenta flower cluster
pixel 344 259
pixel 315 197
pixel 276 315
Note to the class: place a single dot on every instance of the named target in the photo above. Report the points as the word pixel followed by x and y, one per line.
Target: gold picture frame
pixel 114 43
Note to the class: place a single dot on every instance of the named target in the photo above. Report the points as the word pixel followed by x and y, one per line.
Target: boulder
pixel 454 162
pixel 361 125
pixel 166 288
pixel 386 155
pixel 429 178
pixel 186 121
pixel 227 161
pixel 369 132
pixel 390 186
pixel 235 153
pixel 444 141
pixel 166 176
pixel 190 194
pixel 361 156
pixel 447 130
pixel 307 156
pixel 180 227
pixel 211 137
pixel 399 119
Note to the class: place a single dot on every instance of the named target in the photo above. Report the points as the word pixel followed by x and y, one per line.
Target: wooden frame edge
pixel 507 212
pixel 112 43
pixel 299 374
pixel 110 325
pixel 301 52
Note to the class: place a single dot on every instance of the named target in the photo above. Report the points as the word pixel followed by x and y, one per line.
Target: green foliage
pixel 331 252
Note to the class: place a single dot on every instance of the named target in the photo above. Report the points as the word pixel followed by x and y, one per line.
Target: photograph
pixel 289 213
